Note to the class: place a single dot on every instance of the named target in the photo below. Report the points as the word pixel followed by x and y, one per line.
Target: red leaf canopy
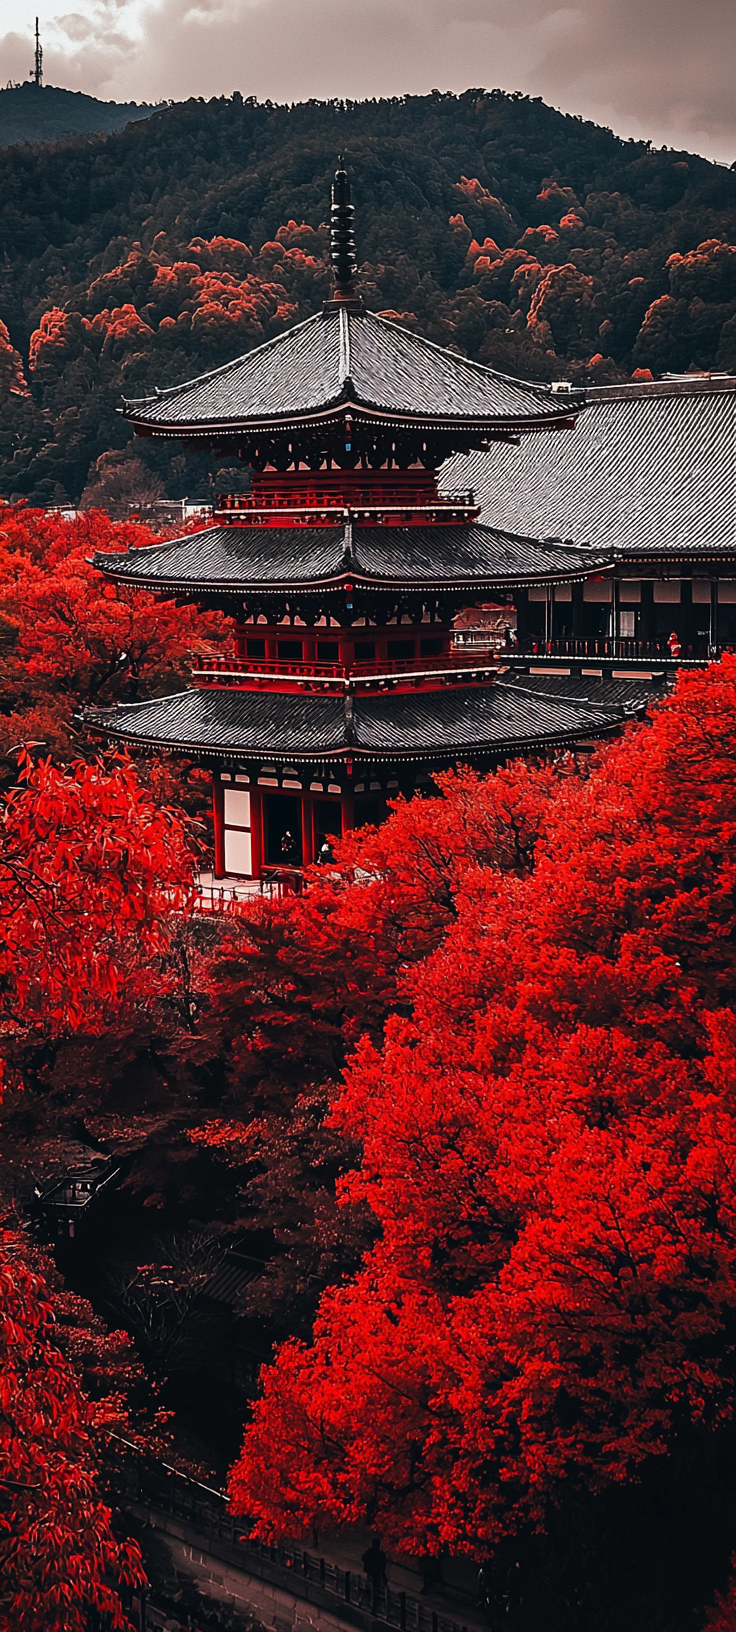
pixel 550 1150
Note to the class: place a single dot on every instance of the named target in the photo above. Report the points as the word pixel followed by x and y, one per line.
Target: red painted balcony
pixel 403 674
pixel 329 498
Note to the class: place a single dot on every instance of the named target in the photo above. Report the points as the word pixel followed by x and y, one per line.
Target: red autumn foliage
pixel 292 990
pixel 58 1554
pixel 74 638
pixel 549 1144
pixel 722 1617
pixel 562 307
pixel 12 379
pixel 222 295
pixel 90 871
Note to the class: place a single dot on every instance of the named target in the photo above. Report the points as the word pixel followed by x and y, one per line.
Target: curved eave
pixel 351 575
pixel 492 429
pixel 372 756
pixel 357 580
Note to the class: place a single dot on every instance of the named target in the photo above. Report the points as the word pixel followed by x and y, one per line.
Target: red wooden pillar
pixel 307 830
pixel 218 813
pixel 347 812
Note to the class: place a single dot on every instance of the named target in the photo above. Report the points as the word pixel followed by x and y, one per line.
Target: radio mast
pixel 37 69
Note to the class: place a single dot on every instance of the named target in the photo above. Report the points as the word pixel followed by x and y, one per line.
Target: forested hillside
pixel 44 113
pixel 529 239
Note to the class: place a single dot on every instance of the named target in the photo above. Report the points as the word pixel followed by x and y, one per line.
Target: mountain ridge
pixel 30 114
pixel 531 240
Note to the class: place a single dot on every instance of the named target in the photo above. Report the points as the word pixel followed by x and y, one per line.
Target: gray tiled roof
pixel 349 357
pixel 649 470
pixel 238 559
pixel 633 695
pixel 481 719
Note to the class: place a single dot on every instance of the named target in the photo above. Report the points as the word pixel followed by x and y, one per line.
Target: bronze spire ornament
pixel 342 239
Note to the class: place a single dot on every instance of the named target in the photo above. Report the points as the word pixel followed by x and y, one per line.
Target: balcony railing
pixel 610 646
pixel 383 509
pixel 383 496
pixel 339 674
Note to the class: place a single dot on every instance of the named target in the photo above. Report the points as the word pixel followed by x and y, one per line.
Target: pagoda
pixel 342 571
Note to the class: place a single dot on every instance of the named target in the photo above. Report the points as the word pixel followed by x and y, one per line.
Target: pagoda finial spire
pixel 342 235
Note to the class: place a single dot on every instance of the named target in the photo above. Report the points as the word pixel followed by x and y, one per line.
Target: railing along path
pixel 164 1490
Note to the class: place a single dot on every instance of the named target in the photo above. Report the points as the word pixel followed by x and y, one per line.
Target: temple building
pixel 343 571
pixel 649 479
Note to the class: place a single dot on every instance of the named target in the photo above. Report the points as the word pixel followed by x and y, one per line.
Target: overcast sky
pixel 662 69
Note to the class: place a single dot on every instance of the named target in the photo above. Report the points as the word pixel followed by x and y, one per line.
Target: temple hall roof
pixel 236 560
pixel 222 724
pixel 649 471
pixel 345 359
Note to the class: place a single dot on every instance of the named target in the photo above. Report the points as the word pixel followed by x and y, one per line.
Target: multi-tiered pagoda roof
pixel 344 566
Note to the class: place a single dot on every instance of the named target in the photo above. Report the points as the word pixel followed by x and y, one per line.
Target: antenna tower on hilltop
pixel 37 69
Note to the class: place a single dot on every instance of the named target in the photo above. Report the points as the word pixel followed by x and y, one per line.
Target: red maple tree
pixel 72 636
pixel 549 1147
pixel 93 881
pixel 294 986
pixel 92 875
pixel 58 1555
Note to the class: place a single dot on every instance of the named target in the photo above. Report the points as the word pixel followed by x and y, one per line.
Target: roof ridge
pixel 617 709
pixel 224 368
pixel 689 385
pixel 171 696
pixel 585 549
pixel 540 386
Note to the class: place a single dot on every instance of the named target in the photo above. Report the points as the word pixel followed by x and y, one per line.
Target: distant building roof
pixel 650 470
pixel 227 724
pixel 236 560
pixel 351 358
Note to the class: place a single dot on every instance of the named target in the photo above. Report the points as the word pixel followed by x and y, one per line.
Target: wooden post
pixel 347 812
pixel 218 814
pixel 257 845
pixel 307 830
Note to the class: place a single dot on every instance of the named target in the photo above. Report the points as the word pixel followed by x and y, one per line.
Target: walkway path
pixel 285 1589
pixel 276 1609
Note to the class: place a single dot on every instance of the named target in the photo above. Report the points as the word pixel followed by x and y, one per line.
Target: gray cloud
pixel 656 68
